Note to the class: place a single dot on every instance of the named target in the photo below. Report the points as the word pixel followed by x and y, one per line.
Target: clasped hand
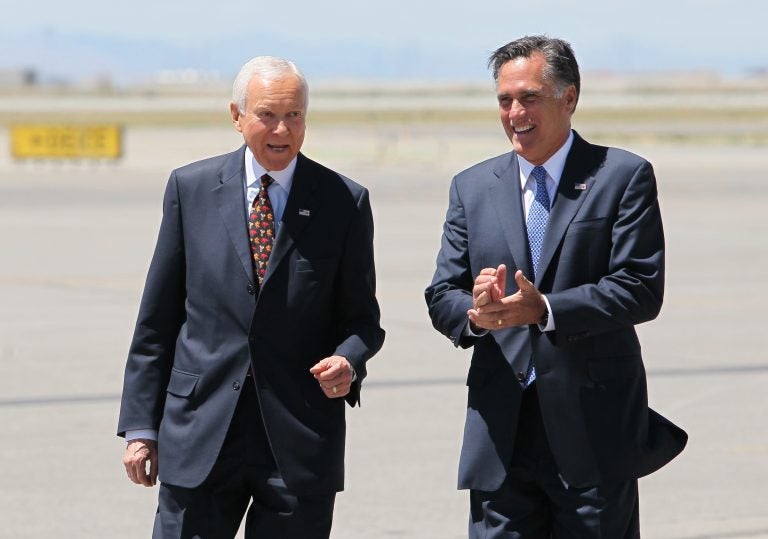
pixel 493 309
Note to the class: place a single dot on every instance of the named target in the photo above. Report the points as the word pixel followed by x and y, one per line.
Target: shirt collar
pixel 554 165
pixel 254 171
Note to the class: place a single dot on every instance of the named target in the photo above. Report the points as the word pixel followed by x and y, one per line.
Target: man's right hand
pixel 137 454
pixel 489 286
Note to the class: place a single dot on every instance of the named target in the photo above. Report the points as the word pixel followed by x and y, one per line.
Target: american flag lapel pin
pixel 304 213
pixel 580 186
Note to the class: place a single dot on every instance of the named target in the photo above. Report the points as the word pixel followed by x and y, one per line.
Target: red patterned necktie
pixel 261 229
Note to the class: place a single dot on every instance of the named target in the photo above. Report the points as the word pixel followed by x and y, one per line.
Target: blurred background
pixel 400 100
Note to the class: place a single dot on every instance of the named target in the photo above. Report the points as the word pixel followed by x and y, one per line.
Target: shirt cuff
pixel 550 319
pixel 146 434
pixel 469 333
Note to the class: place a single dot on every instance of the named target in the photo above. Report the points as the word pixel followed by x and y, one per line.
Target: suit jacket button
pixel 236 386
pixel 251 289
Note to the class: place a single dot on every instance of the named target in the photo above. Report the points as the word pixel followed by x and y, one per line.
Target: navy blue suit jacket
pixel 602 269
pixel 204 321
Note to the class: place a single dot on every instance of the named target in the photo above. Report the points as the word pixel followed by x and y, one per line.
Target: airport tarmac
pixel 75 244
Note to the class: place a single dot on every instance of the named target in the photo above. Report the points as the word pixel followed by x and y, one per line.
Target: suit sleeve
pixel 161 315
pixel 360 333
pixel 632 290
pixel 449 296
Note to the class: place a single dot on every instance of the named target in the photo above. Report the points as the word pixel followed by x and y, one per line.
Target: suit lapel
pixel 578 171
pixel 299 210
pixel 230 199
pixel 506 197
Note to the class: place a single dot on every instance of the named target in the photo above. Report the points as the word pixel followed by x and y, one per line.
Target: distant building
pixel 17 78
pixel 186 77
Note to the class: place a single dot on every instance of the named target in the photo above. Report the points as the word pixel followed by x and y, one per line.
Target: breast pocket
pixel 587 245
pixel 317 266
pixel 311 282
pixel 587 226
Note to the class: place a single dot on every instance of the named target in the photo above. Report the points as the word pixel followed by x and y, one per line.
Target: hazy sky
pixel 725 35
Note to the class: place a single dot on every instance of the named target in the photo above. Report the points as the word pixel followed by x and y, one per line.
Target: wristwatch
pixel 544 320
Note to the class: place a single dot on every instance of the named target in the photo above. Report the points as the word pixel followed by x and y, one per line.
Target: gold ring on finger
pixel 498 322
pixel 335 390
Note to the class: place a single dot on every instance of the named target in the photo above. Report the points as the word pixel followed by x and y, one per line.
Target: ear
pixel 234 110
pixel 570 98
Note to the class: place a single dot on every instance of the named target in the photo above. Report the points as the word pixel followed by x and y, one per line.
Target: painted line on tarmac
pixel 731 535
pixel 64 399
pixel 414 383
pixel 82 282
pixel 88 399
pixel 703 371
pixel 386 384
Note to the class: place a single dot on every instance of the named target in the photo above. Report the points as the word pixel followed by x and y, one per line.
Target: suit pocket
pixel 585 249
pixel 478 376
pixel 610 369
pixel 311 283
pixel 314 264
pixel 182 384
pixel 312 394
pixel 587 225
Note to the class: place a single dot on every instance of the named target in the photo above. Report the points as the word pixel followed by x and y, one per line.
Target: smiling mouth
pixel 278 147
pixel 523 129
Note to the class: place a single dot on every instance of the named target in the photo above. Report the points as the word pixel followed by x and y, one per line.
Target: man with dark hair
pixel 258 317
pixel 550 255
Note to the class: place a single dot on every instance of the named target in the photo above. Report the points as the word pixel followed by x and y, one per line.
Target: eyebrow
pixel 525 93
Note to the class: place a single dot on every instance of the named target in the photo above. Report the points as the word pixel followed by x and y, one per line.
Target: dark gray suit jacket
pixel 602 269
pixel 204 321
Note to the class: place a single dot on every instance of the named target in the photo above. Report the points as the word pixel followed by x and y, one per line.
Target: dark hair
pixel 561 62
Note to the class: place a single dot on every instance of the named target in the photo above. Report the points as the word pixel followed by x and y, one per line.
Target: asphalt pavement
pixel 75 244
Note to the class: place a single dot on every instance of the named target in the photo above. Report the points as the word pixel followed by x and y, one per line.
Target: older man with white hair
pixel 257 319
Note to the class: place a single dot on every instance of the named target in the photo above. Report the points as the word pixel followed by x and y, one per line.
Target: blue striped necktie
pixel 538 216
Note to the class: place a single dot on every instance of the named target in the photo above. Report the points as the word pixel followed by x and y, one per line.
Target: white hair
pixel 267 69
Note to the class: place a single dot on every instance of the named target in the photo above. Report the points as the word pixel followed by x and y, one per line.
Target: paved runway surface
pixel 75 243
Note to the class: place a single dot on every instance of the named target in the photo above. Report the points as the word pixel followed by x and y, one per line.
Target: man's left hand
pixel 526 306
pixel 138 453
pixel 334 374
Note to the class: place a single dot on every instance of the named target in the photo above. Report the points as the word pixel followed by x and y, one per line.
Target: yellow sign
pixel 66 141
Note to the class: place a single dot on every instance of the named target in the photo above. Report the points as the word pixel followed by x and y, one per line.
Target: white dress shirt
pixel 278 191
pixel 554 167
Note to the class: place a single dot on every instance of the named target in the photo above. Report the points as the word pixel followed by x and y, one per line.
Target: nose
pixel 281 128
pixel 516 109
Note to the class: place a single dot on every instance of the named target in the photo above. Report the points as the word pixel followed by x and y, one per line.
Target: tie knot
pixel 539 173
pixel 266 180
